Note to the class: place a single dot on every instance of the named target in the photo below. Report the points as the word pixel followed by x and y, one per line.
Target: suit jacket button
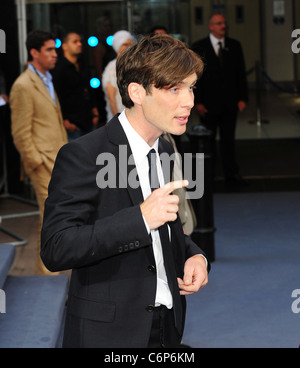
pixel 150 308
pixel 120 249
pixel 137 244
pixel 151 268
pixel 125 247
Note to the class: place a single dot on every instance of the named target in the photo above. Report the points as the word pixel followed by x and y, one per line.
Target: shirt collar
pixel 47 75
pixel 215 40
pixel 139 147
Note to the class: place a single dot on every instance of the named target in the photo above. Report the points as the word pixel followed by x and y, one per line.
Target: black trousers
pixel 225 123
pixel 163 332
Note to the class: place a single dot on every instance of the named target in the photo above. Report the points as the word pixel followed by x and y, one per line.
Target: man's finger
pixel 184 289
pixel 188 279
pixel 173 185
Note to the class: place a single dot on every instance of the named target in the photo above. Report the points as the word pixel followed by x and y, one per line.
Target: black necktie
pixel 166 245
pixel 153 176
pixel 220 53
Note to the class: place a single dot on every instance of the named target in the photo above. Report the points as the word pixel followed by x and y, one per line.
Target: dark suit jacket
pixel 101 235
pixel 221 88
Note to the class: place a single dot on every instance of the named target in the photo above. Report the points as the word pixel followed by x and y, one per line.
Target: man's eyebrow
pixel 172 85
pixel 192 84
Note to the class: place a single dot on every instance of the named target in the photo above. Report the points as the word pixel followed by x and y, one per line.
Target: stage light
pixel 93 41
pixel 95 83
pixel 109 40
pixel 57 43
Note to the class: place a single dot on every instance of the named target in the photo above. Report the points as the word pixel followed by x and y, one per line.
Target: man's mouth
pixel 182 119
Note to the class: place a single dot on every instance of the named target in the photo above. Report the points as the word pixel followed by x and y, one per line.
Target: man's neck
pixel 217 37
pixel 141 126
pixel 72 59
pixel 39 68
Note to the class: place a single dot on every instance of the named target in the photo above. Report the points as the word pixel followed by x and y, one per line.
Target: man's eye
pixel 174 89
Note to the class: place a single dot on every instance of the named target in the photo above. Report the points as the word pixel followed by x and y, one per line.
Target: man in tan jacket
pixel 37 125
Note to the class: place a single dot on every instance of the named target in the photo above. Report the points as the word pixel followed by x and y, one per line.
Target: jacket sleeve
pixel 22 115
pixel 75 232
pixel 242 77
pixel 193 249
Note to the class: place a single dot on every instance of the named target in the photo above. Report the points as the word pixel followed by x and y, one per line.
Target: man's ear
pixel 34 53
pixel 136 93
pixel 64 46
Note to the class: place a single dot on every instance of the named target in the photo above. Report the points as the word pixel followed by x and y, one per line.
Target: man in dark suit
pixel 222 91
pixel 131 263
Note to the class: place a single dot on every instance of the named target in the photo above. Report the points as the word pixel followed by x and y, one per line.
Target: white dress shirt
pixel 140 149
pixel 215 43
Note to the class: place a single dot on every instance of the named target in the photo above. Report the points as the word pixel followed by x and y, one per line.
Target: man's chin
pixel 180 131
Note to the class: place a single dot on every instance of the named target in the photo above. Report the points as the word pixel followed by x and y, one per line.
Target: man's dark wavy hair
pixel 36 39
pixel 156 60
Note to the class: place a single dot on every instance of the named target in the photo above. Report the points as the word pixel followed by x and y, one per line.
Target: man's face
pixel 168 109
pixel 218 26
pixel 73 44
pixel 46 57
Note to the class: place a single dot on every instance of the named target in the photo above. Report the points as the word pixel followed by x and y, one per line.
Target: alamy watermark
pixel 2 42
pixel 2 301
pixel 189 167
pixel 296 43
pixel 296 303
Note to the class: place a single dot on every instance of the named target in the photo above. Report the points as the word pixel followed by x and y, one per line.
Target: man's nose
pixel 189 100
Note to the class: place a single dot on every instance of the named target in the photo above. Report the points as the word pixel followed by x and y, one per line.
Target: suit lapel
pixel 40 86
pixel 125 164
pixel 165 147
pixel 211 51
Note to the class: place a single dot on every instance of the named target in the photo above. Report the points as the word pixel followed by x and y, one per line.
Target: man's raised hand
pixel 162 206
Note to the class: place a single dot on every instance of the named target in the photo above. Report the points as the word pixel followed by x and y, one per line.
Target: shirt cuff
pixel 147 227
